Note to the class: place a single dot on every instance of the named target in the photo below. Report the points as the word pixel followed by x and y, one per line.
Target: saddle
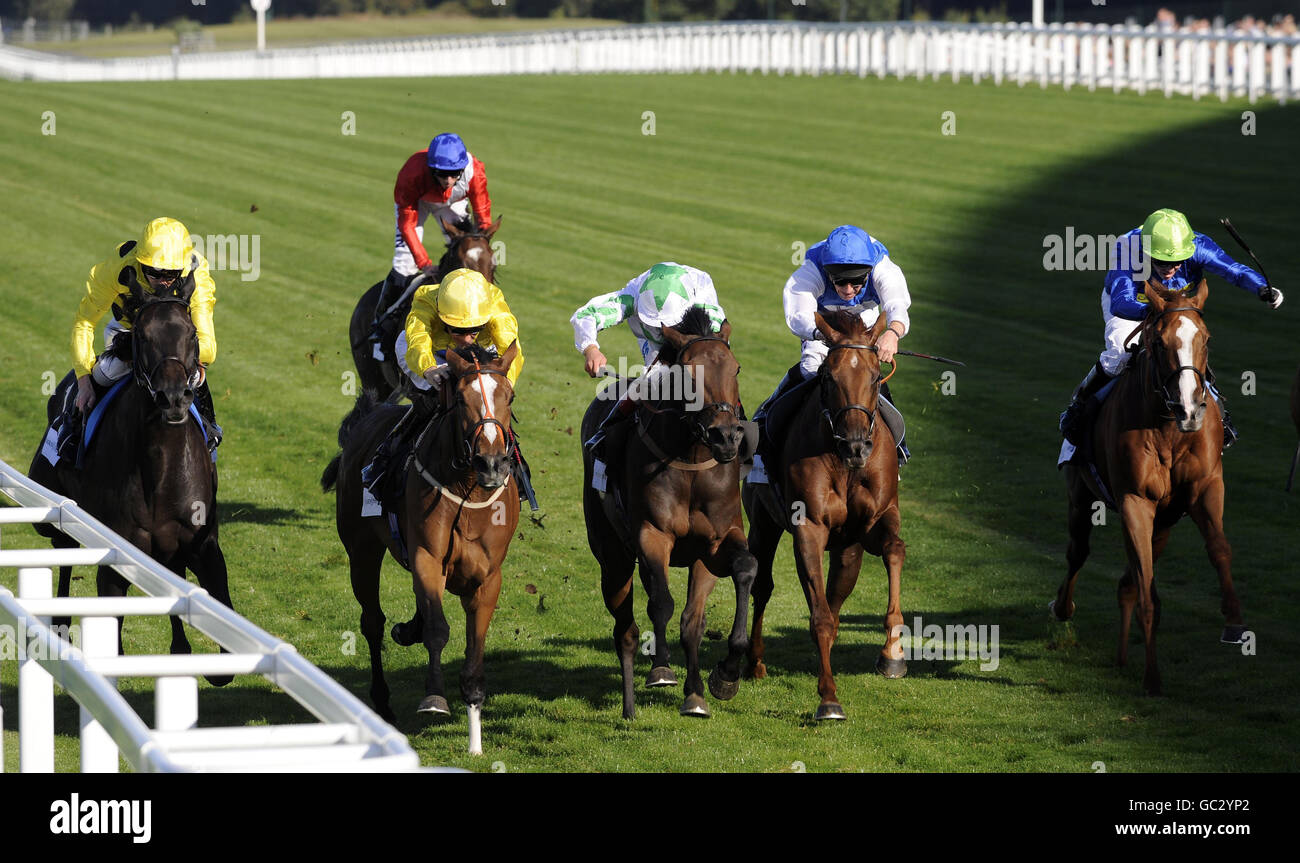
pixel 1079 455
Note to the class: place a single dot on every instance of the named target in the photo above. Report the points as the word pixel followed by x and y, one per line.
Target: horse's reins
pixel 871 415
pixel 470 446
pixel 1159 385
pixel 145 378
pixel 699 431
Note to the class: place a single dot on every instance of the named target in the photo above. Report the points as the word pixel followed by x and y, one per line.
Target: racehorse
pixel 460 511
pixel 148 475
pixel 1159 453
pixel 838 473
pixel 678 478
pixel 471 249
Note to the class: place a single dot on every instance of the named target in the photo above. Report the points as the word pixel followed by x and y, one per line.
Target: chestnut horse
pixel 468 249
pixel 460 512
pixel 838 473
pixel 1159 452
pixel 148 475
pixel 678 476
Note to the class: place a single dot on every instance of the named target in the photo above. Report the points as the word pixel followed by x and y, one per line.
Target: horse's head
pixel 471 250
pixel 1178 342
pixel 165 355
pixel 481 401
pixel 849 383
pixel 707 382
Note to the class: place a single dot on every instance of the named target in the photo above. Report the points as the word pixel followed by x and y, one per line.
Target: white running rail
pixel 349 736
pixel 1219 63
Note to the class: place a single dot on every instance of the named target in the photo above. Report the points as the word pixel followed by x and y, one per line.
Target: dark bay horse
pixel 148 475
pixel 469 249
pixel 838 473
pixel 460 513
pixel 1157 443
pixel 678 476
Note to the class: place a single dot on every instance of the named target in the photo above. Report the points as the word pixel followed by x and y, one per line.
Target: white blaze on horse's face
pixel 487 387
pixel 472 256
pixel 1186 335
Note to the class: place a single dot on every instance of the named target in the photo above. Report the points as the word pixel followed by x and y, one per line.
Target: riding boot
pixel 373 474
pixel 1229 429
pixel 389 291
pixel 524 476
pixel 622 409
pixel 904 454
pixel 793 377
pixel 1091 384
pixel 72 422
pixel 203 401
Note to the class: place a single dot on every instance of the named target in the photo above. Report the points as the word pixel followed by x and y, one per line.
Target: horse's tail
pixel 366 402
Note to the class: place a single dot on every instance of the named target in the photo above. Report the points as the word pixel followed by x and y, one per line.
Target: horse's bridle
pixel 1160 385
pixel 453 248
pixel 143 377
pixel 832 418
pixel 469 445
pixel 697 426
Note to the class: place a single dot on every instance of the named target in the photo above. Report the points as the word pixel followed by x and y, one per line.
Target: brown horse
pixel 1295 418
pixel 470 249
pixel 461 510
pixel 1159 452
pixel 838 473
pixel 678 475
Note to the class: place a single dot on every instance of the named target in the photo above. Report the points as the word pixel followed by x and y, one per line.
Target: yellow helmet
pixel 463 300
pixel 165 245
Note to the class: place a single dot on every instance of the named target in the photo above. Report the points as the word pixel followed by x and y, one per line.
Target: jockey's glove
pixel 1272 296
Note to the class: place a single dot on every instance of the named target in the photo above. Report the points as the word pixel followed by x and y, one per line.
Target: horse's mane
pixel 696 322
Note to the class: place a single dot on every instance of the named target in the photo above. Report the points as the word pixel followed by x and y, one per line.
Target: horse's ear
pixel 491 228
pixel 878 329
pixel 725 332
pixel 1202 294
pixel 453 233
pixel 828 332
pixel 458 364
pixel 1156 297
pixel 673 338
pixel 507 359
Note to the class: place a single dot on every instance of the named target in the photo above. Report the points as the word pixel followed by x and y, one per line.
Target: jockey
pixel 848 271
pixel 464 309
pixel 442 182
pixel 162 262
pixel 1179 258
pixel 659 297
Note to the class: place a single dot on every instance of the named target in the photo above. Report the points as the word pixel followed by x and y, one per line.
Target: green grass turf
pixel 301 32
pixel 739 170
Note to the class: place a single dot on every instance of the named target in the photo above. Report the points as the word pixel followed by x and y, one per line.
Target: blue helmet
pixel 850 250
pixel 447 153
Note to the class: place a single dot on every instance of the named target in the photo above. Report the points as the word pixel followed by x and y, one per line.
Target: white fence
pixel 1222 64
pixel 349 736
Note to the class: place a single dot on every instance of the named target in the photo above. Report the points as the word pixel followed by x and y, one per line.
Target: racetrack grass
pixel 738 170
pixel 302 32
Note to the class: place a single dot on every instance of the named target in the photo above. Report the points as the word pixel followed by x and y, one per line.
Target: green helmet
pixel 1169 236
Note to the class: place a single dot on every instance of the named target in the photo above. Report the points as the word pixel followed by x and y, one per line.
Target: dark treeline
pixel 161 12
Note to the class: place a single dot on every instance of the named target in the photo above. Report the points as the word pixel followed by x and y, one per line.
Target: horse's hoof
pixel 661 676
pixel 755 670
pixel 219 679
pixel 435 704
pixel 891 668
pixel 720 687
pixel 1051 608
pixel 829 710
pixel 1233 634
pixel 400 636
pixel 695 705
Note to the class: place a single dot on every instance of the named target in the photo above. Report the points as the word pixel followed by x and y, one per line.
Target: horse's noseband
pixel 833 418
pixel 469 441
pixel 143 377
pixel 1160 385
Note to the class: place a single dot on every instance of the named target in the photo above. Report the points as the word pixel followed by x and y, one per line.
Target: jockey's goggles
pixel 454 175
pixel 163 277
pixel 463 331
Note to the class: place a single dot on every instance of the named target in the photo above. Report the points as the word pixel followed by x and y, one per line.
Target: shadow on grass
pixel 252 513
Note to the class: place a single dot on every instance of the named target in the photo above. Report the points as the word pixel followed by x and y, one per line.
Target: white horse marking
pixel 1186 335
pixel 489 388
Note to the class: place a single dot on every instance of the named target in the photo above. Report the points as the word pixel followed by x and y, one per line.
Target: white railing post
pixel 98 751
pixel 35 686
pixel 176 703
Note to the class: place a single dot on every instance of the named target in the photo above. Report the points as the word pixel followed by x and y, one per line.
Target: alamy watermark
pixel 239 252
pixel 18 643
pixel 952 642
pixel 1099 253
pixel 673 383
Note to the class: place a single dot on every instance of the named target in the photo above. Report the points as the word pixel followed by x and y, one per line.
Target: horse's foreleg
pixel 809 544
pixel 699 585
pixel 893 552
pixel 429 583
pixel 734 558
pixel 210 568
pixel 479 607
pixel 1079 528
pixel 656 549
pixel 764 537
pixel 1207 512
pixel 1139 518
pixel 845 564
